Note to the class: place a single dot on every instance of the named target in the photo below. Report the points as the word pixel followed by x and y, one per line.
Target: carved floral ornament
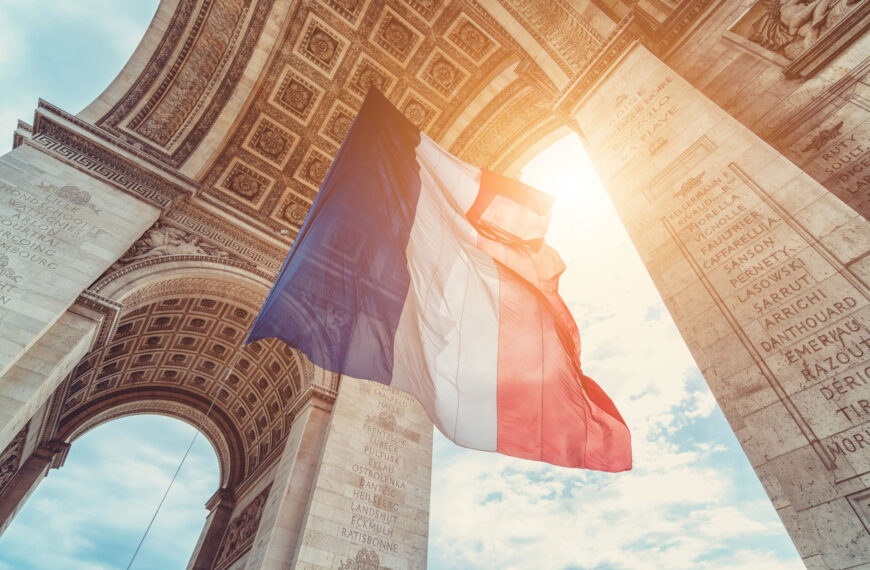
pixel 365 559
pixel 339 124
pixel 417 113
pixel 395 36
pixel 471 39
pixel 294 212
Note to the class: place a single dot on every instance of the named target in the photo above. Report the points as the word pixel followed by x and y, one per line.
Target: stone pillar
pixel 60 229
pixel 766 275
pixel 352 485
pixel 370 502
pixel 220 507
pixel 282 518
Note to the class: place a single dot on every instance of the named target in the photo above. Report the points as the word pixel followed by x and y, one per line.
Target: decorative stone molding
pixel 76 143
pixel 567 37
pixel 662 38
pixel 613 48
pixel 312 392
pixel 107 310
pixel 197 75
pixel 55 451
pixel 195 287
pixel 160 59
pixel 173 104
pixel 222 497
pixel 22 132
pixel 266 256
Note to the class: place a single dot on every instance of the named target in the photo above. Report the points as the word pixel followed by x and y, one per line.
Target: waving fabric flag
pixel 422 272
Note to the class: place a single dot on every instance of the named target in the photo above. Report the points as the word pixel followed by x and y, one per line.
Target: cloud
pixel 93 511
pixel 64 52
pixel 675 512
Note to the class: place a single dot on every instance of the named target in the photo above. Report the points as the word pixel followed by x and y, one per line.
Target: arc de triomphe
pixel 139 237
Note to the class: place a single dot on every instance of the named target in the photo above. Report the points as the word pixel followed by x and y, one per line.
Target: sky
pixel 691 501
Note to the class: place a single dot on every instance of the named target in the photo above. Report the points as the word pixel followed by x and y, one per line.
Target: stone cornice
pixel 106 158
pixel 626 34
pixel 638 26
pixel 248 243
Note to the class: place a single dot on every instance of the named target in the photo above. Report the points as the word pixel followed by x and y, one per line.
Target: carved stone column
pixel 70 205
pixel 59 230
pixel 370 497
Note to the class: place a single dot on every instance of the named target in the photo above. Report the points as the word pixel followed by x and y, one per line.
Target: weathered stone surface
pixel 371 493
pixel 59 228
pixel 754 265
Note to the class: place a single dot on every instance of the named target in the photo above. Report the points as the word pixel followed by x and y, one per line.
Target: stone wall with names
pixel 371 497
pixel 766 275
pixel 59 230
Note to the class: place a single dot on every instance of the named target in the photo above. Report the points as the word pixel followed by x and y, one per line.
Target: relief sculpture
pixel 163 240
pixel 241 531
pixel 790 27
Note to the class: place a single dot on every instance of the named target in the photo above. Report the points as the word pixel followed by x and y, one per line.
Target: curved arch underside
pixel 253 98
pixel 173 356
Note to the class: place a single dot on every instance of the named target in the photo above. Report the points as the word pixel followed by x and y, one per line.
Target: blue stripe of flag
pixel 340 292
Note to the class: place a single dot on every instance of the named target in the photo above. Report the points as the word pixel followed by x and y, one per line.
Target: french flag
pixel 422 272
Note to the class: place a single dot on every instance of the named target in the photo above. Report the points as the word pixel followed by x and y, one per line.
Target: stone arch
pixel 182 326
pixel 213 429
pixel 185 275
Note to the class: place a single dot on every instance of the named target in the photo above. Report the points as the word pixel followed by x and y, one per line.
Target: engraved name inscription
pixel 639 121
pixel 378 501
pixel 797 309
pixel 36 227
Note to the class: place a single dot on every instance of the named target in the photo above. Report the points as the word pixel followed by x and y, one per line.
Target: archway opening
pixel 92 512
pixel 692 499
